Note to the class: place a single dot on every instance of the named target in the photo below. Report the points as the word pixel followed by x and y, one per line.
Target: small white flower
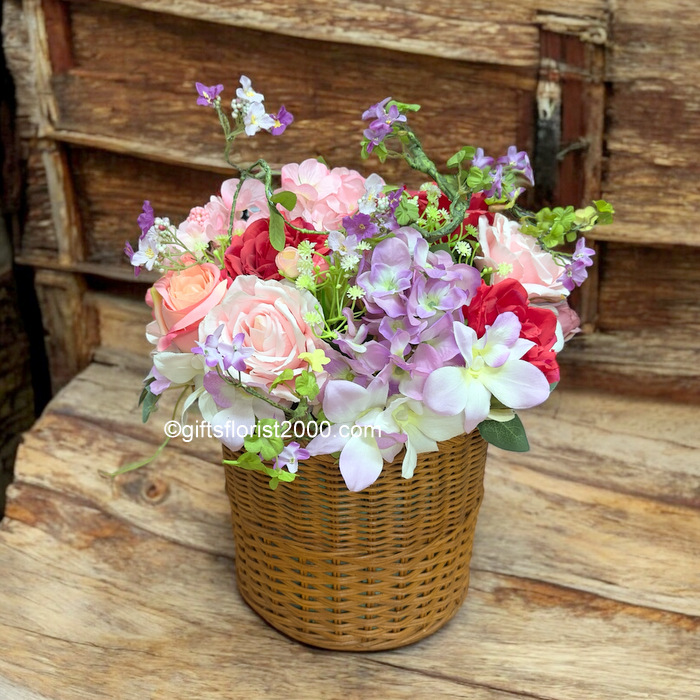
pixel 463 248
pixel 256 119
pixel 246 92
pixel 349 262
pixel 355 292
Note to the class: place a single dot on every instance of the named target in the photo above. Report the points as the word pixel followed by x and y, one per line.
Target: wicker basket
pixel 362 571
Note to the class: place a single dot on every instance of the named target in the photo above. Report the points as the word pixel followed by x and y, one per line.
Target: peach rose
pixel 502 244
pixel 287 262
pixel 324 197
pixel 270 314
pixel 182 299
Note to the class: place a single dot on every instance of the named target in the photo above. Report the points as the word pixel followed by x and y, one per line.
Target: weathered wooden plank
pixel 634 548
pixel 663 364
pixel 168 614
pixel 113 189
pixel 650 288
pixel 70 327
pixel 411 27
pixel 112 46
pixel 653 138
pixel 171 615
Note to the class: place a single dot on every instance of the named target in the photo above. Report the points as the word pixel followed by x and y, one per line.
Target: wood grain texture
pixel 653 137
pixel 141 576
pixel 437 30
pixel 142 91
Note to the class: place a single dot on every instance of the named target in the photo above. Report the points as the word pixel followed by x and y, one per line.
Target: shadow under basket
pixel 378 569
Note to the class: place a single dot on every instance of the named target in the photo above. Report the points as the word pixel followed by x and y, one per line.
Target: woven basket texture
pixel 364 571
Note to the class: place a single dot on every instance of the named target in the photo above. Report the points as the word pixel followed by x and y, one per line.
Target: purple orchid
pixel 290 457
pixel 208 95
pixel 282 120
pixel 146 218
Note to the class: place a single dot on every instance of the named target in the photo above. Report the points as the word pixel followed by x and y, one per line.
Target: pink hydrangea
pixel 211 221
pixel 324 197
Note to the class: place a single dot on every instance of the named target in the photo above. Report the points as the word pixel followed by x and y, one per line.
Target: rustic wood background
pixel 107 119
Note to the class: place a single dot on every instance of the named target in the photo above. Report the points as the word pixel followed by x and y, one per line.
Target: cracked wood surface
pixel 585 578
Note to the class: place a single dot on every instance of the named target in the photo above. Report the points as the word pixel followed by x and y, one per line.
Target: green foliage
pixel 277 237
pixel 149 403
pixel 509 435
pixel 253 463
pixel 407 211
pixel 287 199
pixel 403 106
pixel 306 385
pixel 464 153
pixel 478 179
pixel 265 441
pixel 605 210
pixel 285 376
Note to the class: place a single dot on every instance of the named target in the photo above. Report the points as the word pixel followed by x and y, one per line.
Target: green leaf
pixel 476 179
pixel 606 211
pixel 508 436
pixel 277 238
pixel 464 153
pixel 285 376
pixel 440 246
pixel 407 211
pixel 149 405
pixel 145 391
pixel 306 385
pixel 287 199
pixel 403 106
pixel 553 386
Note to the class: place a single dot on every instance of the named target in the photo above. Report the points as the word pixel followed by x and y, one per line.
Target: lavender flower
pixel 159 384
pixel 496 189
pixel 518 160
pixel 282 120
pixel 583 254
pixel 256 118
pixel 146 218
pixel 208 95
pixel 290 457
pixel 360 225
pixel 387 118
pixel 235 355
pixel 129 252
pixel 480 160
pixel 210 348
pixel 376 136
pixel 375 111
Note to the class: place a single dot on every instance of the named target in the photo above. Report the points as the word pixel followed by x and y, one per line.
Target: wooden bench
pixel 585 576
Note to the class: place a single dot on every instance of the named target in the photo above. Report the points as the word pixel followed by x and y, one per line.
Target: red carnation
pixel 538 325
pixel 253 254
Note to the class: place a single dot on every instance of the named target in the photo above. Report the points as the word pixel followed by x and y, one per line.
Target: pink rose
pixel 182 299
pixel 502 243
pixel 324 197
pixel 270 314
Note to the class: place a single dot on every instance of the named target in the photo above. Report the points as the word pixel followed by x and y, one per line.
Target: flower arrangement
pixel 338 314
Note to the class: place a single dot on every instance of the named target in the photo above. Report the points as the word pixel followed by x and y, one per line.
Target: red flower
pixel 253 254
pixel 538 325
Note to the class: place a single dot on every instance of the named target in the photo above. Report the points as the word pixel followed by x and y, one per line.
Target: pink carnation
pixel 523 259
pixel 324 197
